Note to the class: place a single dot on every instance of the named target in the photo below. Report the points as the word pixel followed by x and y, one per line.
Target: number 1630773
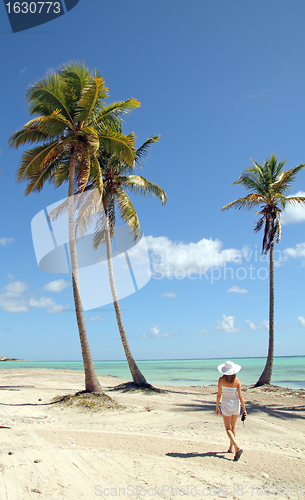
pixel 33 7
pixel 277 489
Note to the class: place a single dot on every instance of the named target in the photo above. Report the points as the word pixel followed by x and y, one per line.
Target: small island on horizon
pixel 3 358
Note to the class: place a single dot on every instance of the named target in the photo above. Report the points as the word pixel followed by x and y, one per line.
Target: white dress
pixel 230 404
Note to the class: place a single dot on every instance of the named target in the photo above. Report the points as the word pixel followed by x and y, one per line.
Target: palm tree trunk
pixel 91 381
pixel 265 377
pixel 136 374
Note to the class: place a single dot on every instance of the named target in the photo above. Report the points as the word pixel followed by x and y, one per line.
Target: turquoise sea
pixel 288 371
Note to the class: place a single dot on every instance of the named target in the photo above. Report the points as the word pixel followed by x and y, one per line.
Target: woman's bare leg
pixel 233 426
pixel 229 423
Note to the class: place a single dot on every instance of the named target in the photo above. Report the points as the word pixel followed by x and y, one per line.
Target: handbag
pixel 243 418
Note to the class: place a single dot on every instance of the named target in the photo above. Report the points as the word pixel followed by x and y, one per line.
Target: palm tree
pixel 73 122
pixel 115 175
pixel 269 186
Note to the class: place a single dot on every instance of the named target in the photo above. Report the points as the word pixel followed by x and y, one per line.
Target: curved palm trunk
pixel 265 377
pixel 136 374
pixel 91 381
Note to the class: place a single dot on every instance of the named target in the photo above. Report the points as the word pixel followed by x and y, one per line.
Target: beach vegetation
pixel 88 401
pixel 269 187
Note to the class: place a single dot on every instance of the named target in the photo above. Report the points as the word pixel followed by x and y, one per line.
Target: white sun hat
pixel 229 368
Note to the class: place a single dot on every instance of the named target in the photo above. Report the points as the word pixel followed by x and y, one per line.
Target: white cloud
pixel 154 332
pixel 302 321
pixel 97 318
pixel 263 325
pixel 169 294
pixel 12 304
pixel 226 324
pixel 237 289
pixel 4 242
pixel 15 289
pixel 43 302
pixel 179 260
pixel 14 299
pixel 56 286
pixel 202 331
pixel 57 308
pixel 298 252
pixel 49 304
pixel 294 213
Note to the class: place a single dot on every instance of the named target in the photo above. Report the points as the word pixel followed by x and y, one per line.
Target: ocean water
pixel 288 371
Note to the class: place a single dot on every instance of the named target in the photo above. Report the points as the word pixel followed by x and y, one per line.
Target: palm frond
pixel 118 144
pixel 142 151
pixel 267 234
pixel 47 168
pixel 279 167
pixel 59 210
pixel 32 159
pixel 92 97
pixel 117 109
pixel 284 179
pixel 39 178
pixel 52 126
pixel 278 227
pixel 269 184
pixel 82 173
pixel 61 171
pixel 259 224
pixel 139 184
pixel 75 77
pixel 88 137
pixel 96 177
pixel 100 229
pixel 26 135
pixel 111 214
pixel 46 96
pixel 89 207
pixel 127 212
pixel 295 200
pixel 247 202
pixel 251 180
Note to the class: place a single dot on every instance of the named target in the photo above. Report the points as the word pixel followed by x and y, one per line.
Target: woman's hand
pixel 218 411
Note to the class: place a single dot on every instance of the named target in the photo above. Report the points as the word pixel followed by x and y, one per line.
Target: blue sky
pixel 222 82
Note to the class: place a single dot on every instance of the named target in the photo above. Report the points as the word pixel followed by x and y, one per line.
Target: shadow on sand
pixel 193 454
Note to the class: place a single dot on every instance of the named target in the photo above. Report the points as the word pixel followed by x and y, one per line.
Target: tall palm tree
pixel 73 123
pixel 269 185
pixel 115 175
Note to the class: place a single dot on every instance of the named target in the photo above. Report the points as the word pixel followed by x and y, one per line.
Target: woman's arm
pixel 241 399
pixel 218 398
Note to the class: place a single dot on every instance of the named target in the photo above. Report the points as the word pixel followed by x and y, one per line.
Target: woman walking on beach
pixel 229 390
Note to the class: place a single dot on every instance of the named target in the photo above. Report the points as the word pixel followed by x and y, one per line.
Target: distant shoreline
pixel 12 359
pixel 287 371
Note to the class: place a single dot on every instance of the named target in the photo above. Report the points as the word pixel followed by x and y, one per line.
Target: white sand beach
pixel 153 445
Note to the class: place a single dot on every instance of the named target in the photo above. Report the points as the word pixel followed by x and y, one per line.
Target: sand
pixel 163 445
